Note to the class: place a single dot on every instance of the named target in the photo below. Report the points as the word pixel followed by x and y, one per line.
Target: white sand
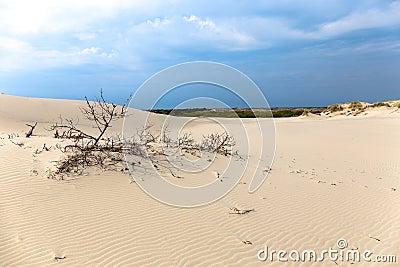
pixel 333 177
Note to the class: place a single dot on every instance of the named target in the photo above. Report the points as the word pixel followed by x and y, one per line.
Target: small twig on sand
pixel 238 211
pixel 59 258
pixel 20 144
pixel 377 239
pixel 45 147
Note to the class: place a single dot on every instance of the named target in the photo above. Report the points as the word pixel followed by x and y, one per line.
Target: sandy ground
pixel 332 177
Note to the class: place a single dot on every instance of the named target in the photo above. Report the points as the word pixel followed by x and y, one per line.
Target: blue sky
pixel 300 52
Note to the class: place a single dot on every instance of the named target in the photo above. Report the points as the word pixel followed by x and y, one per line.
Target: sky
pixel 298 52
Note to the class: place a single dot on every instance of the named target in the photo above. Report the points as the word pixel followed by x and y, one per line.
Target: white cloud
pixel 84 36
pixel 157 22
pixel 79 31
pixel 19 55
pixel 202 23
pixel 368 19
pixel 189 31
pixel 242 33
pixel 89 51
pixel 38 16
pixel 13 45
pixel 367 47
pixel 95 51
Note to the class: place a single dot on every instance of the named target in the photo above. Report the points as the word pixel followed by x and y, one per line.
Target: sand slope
pixel 332 178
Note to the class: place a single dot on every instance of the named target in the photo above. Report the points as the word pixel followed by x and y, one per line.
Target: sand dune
pixel 332 177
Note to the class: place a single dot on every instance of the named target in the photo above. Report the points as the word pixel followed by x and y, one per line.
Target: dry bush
pixel 221 143
pixel 76 161
pixel 187 142
pixel 218 143
pixel 141 143
pixel 89 150
pixel 166 139
pixel 145 136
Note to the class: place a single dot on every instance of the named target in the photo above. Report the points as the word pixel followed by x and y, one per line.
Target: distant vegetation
pixel 355 105
pixel 240 112
pixel 335 108
pixel 380 104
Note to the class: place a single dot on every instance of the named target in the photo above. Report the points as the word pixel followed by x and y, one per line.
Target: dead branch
pixel 103 114
pixel 70 130
pixel 100 112
pixel 30 132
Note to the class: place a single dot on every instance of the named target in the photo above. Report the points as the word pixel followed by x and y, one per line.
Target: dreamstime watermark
pixel 261 143
pixel 339 254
